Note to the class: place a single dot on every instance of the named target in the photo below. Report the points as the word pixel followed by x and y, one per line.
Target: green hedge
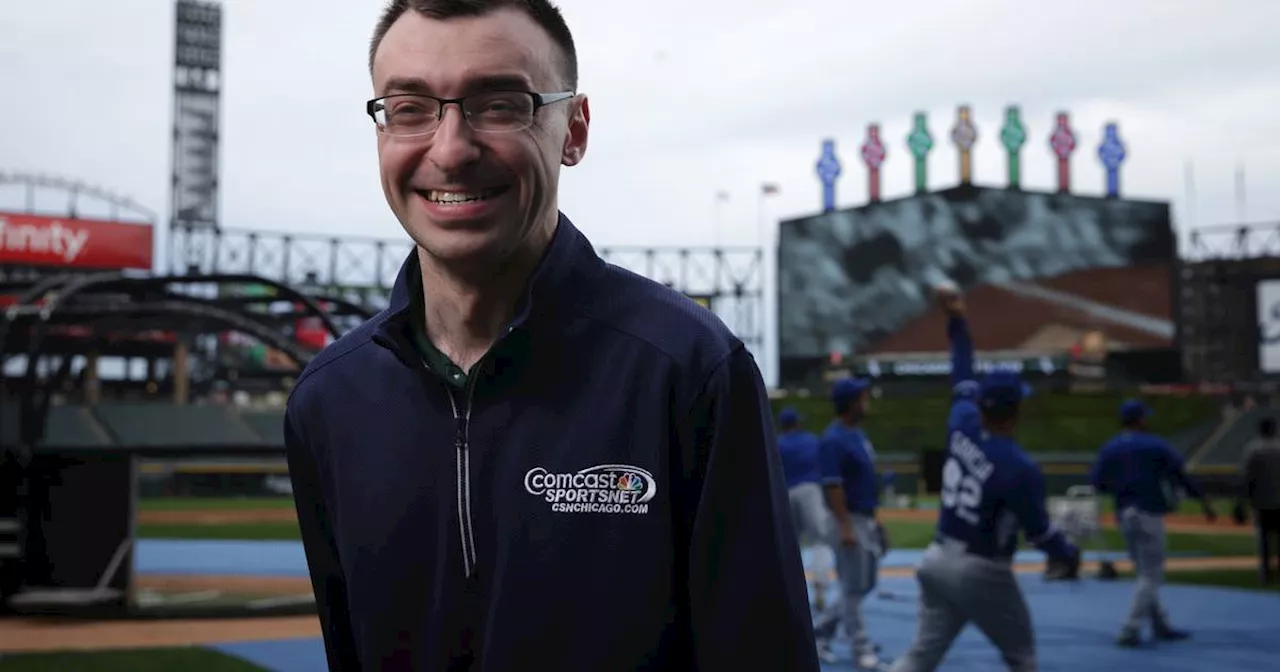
pixel 1052 422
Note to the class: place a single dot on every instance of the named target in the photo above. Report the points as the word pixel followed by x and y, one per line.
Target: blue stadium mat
pixel 220 557
pixel 1075 624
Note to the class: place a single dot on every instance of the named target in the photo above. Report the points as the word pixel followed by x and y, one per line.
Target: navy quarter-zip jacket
pixel 605 494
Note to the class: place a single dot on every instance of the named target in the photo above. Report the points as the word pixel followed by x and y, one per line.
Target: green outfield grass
pixel 140 660
pixel 1212 545
pixel 1051 421
pixel 213 503
pixel 246 531
pixel 1244 579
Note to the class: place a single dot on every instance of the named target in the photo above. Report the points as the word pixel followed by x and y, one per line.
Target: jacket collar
pixel 559 280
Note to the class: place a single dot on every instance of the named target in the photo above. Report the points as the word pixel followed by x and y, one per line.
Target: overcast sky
pixel 689 97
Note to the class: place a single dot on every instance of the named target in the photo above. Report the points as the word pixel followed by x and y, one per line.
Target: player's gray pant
pixel 809 513
pixel 957 588
pixel 858 567
pixel 1144 539
pixel 813 522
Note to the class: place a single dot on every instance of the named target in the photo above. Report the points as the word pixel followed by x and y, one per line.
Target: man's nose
pixel 453 143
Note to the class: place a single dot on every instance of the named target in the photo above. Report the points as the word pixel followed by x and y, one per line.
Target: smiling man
pixel 531 459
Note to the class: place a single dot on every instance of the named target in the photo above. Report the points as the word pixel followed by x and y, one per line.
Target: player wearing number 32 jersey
pixel 991 490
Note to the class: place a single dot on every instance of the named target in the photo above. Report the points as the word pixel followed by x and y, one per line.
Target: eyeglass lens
pixel 412 114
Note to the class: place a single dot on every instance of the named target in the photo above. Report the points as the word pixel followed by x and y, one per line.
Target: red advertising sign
pixel 310 332
pixel 36 240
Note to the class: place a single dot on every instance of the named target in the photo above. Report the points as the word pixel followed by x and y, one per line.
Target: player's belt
pixel 952 546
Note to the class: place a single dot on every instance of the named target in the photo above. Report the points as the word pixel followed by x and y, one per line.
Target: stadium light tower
pixel 197 93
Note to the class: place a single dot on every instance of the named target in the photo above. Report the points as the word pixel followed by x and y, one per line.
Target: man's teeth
pixel 461 196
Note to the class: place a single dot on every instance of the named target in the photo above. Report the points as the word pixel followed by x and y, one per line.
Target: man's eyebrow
pixel 499 82
pixel 406 85
pixel 490 82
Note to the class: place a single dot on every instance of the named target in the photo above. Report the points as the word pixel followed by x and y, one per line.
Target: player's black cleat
pixel 1167 634
pixel 1129 640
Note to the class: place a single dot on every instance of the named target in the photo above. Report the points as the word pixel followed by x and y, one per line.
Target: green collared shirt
pixel 437 361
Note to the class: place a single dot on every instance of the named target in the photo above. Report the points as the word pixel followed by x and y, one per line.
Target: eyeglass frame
pixel 540 100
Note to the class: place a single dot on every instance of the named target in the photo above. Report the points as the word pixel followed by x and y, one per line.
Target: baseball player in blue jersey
pixel 799 452
pixel 849 475
pixel 809 514
pixel 1142 472
pixel 990 489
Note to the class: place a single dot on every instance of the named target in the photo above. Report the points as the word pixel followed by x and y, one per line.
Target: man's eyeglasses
pixel 410 114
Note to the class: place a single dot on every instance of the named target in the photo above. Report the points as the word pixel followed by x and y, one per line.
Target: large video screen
pixel 1040 269
pixel 1269 326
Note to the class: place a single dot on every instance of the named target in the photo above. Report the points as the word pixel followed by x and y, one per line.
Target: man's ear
pixel 575 142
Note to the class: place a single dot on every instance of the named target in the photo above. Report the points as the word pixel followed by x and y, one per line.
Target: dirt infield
pixel 217 517
pixel 35 635
pixel 255 585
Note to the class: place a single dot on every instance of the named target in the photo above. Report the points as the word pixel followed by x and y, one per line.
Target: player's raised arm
pixel 958 337
pixel 1027 504
pixel 748 602
pixel 964 386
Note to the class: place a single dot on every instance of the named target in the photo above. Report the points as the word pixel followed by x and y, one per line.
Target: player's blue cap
pixel 1002 389
pixel 1133 410
pixel 847 389
pixel 789 416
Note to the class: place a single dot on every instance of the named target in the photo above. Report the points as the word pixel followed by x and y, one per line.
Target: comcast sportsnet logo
pixel 607 488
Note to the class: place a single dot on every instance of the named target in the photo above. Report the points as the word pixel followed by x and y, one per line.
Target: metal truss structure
pixel 1245 241
pixel 57 319
pixel 119 207
pixel 730 279
pixel 357 270
pixel 1217 303
pixel 362 270
pixel 196 134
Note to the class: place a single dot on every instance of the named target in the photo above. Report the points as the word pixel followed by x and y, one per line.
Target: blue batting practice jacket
pixel 1142 471
pixel 604 494
pixel 846 460
pixel 799 450
pixel 990 487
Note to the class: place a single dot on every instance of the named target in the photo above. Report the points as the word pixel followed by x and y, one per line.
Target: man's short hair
pixel 1267 427
pixel 542 12
pixel 997 413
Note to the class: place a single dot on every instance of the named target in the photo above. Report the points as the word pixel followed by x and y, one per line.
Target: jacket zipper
pixel 462 463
